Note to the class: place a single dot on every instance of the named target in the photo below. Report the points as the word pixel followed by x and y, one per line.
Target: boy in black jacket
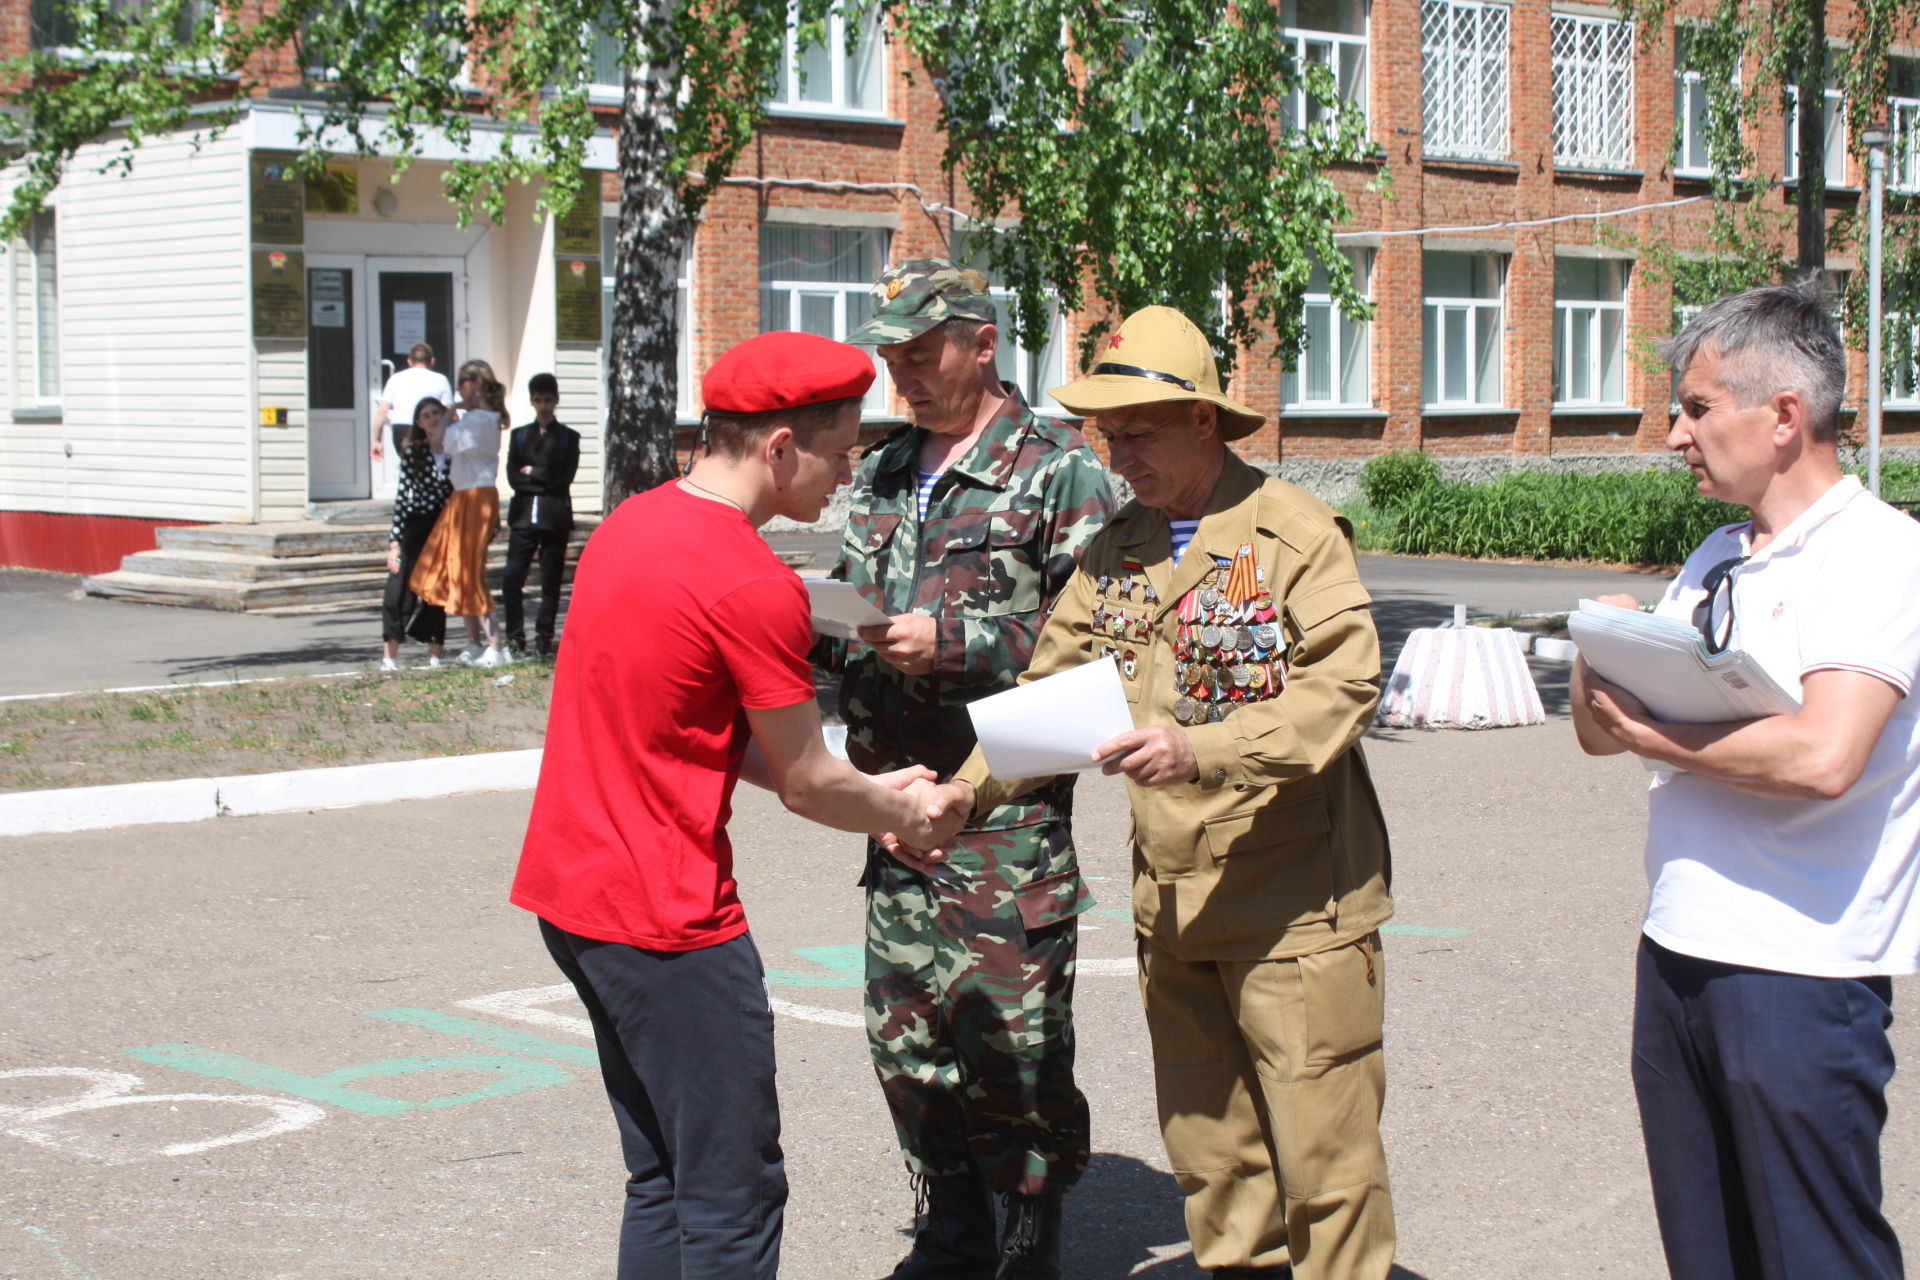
pixel 541 460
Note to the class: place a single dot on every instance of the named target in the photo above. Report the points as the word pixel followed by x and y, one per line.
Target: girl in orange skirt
pixel 452 569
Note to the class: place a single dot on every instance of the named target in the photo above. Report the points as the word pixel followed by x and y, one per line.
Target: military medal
pixel 1128 662
pixel 1183 709
pixel 1266 635
pixel 1243 639
pixel 1257 678
pixel 1242 675
pixel 1210 637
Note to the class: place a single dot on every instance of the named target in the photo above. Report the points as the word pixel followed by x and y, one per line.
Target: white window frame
pixel 1593 92
pixel 1311 47
pixel 1571 315
pixel 44 338
pixel 786 99
pixel 1897 396
pixel 1455 121
pixel 1903 146
pixel 1294 382
pixel 685 403
pixel 1035 372
pixel 1688 83
pixel 1834 121
pixel 1483 316
pixel 602 92
pixel 879 395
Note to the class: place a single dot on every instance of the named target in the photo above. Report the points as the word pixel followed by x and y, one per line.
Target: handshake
pixel 932 816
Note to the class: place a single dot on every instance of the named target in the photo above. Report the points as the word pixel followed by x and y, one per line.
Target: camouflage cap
pixel 913 296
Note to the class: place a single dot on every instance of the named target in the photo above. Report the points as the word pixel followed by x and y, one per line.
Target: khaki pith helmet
pixel 1157 356
pixel 918 294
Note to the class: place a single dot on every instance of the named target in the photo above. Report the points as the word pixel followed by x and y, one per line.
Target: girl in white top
pixel 452 571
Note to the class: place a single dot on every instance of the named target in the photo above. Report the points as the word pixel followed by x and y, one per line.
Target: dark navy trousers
pixel 1762 1096
pixel 686 1051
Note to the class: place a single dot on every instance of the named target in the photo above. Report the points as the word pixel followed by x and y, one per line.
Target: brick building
pixel 142 389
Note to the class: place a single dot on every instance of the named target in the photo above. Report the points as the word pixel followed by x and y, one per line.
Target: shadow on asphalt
pixel 1124 1217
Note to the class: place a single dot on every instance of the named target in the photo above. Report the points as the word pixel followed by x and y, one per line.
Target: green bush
pixel 1393 480
pixel 1648 517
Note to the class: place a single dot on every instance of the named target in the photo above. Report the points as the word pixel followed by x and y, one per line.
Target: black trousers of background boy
pixel 522 545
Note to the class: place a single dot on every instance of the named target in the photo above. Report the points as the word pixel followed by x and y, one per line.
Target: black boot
pixel 1030 1247
pixel 955 1239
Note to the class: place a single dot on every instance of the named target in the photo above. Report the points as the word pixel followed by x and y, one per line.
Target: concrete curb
pixel 198 799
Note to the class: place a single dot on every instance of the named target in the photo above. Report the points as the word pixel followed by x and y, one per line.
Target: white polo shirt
pixel 409 386
pixel 1820 887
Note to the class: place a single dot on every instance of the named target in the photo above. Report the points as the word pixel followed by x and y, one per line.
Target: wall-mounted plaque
pixel 576 299
pixel 577 231
pixel 279 200
pixel 279 293
pixel 335 189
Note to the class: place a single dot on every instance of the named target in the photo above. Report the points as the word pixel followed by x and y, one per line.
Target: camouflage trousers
pixel 969 1008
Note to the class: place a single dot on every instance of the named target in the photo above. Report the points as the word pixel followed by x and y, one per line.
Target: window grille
pixel 1463 92
pixel 1592 92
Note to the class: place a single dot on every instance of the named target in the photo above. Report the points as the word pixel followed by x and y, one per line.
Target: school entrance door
pixel 366 312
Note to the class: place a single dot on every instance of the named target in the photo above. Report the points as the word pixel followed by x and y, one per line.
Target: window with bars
pixel 819 280
pixel 1903 119
pixel 1589 332
pixel 1032 371
pixel 1330 34
pixel 1461 309
pixel 682 309
pixel 606 79
pixel 1833 128
pixel 43 260
pixel 1592 92
pixel 1463 78
pixel 1332 371
pixel 1693 114
pixel 831 77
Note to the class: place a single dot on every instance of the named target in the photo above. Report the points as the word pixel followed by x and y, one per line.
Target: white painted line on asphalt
pixel 129 804
pixel 524 1005
pixel 813 1013
pixel 188 687
pixel 1094 968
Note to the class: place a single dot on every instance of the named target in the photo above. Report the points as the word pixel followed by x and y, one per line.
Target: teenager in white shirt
pixel 452 569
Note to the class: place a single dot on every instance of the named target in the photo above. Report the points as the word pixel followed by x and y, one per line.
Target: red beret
pixel 785 370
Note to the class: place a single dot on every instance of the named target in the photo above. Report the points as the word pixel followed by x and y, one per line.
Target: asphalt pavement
pixel 324 1047
pixel 57 639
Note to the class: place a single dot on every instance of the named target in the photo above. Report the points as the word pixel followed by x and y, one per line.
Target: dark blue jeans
pixel 686 1051
pixel 1762 1096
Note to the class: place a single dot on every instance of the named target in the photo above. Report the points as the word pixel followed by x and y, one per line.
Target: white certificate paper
pixel 1052 725
pixel 839 609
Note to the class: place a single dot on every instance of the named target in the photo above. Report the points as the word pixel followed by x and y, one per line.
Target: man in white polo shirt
pixel 1781 851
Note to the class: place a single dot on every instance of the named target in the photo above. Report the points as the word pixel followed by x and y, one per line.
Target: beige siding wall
pixel 281 379
pixel 156 409
pixel 583 396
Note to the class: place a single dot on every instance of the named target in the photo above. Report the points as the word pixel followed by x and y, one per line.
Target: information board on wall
pixel 577 231
pixel 279 293
pixel 576 299
pixel 279 201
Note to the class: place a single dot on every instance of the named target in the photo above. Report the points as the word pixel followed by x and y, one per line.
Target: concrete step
pixel 361 511
pixel 203 562
pixel 275 541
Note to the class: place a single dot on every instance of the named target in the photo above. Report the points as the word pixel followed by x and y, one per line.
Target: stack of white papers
pixel 1664 663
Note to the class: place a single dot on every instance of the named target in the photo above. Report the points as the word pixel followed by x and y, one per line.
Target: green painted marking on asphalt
pixel 1113 913
pixel 845 966
pixel 491 1036
pixel 51 1242
pixel 512 1075
pixel 1424 931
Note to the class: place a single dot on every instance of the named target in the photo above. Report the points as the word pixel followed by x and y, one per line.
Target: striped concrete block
pixel 1461 678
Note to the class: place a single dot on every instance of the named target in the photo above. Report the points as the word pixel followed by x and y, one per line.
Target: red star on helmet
pixel 1114 341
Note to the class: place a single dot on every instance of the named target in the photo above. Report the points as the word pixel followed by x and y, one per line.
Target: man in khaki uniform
pixel 1232 605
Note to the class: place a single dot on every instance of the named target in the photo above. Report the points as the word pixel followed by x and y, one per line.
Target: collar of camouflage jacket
pixel 989 461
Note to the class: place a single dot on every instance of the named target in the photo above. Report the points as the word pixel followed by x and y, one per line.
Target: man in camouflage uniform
pixel 970 970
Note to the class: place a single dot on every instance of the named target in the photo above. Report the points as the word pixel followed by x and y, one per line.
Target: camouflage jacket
pixel 1005 527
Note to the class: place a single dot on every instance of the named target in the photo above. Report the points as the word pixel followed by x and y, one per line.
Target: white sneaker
pixel 492 658
pixel 470 656
pixel 388 664
pixel 433 662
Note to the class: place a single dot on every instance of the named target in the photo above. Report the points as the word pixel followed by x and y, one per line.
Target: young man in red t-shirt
pixel 686 668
